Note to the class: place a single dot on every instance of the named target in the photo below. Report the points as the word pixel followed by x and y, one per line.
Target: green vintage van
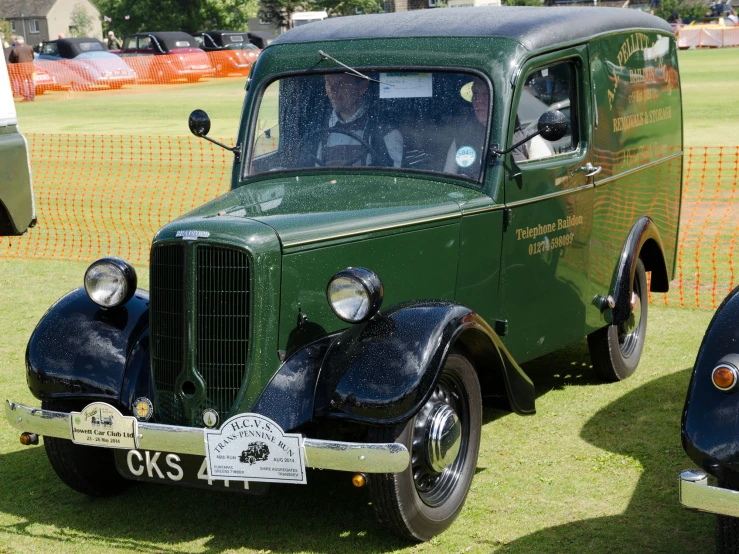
pixel 17 211
pixel 410 219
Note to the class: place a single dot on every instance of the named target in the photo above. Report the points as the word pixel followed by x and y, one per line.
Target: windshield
pixel 433 121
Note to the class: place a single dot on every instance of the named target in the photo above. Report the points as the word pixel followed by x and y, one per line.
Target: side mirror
pixel 552 125
pixel 199 123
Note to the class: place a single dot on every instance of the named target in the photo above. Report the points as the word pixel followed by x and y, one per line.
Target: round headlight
pixel 355 294
pixel 110 282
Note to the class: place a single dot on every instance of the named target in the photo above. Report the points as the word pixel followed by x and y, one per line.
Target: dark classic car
pixel 710 426
pixel 260 39
pixel 166 57
pixel 17 210
pixel 84 63
pixel 393 246
pixel 229 51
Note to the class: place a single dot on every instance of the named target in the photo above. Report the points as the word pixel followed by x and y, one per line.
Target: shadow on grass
pixel 327 515
pixel 641 430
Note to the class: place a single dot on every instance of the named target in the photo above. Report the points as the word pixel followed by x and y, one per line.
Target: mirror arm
pixel 235 149
pixel 495 152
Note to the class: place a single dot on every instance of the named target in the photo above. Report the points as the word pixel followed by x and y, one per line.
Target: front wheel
pixel 615 350
pixel 443 440
pixel 86 469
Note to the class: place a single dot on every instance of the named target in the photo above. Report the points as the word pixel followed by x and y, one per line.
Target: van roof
pixel 534 27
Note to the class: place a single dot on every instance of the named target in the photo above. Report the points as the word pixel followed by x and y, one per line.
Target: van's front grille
pixel 222 328
pixel 218 346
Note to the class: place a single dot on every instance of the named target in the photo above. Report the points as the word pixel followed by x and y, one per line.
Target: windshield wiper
pixel 351 71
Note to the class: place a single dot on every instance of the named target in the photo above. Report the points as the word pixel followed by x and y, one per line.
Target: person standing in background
pixel 22 55
pixel 113 42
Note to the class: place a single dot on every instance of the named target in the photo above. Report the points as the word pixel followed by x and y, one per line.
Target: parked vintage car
pixel 260 39
pixel 83 64
pixel 710 425
pixel 229 51
pixel 17 210
pixel 166 57
pixel 394 246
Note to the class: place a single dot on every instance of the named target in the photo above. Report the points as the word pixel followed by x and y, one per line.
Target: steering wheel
pixel 327 131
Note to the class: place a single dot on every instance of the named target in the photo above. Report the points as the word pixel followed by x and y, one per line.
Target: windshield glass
pixel 433 121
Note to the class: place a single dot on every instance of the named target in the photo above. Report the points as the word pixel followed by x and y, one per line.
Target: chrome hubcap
pixel 629 330
pixel 444 438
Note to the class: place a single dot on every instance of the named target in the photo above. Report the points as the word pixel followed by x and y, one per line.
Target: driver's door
pixel 548 197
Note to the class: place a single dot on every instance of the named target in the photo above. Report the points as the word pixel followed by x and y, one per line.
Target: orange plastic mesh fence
pixel 115 72
pixel 98 195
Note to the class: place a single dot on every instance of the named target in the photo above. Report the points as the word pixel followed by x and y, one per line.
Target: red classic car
pixel 166 57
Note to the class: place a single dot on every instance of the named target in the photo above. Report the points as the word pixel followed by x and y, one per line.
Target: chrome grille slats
pixel 220 327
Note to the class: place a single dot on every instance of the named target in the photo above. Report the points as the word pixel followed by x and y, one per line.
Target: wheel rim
pixel 440 441
pixel 630 330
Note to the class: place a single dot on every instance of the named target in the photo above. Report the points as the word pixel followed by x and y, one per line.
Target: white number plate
pixel 251 447
pixel 100 424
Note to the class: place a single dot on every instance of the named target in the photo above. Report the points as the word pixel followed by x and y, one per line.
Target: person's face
pixel 346 93
pixel 480 100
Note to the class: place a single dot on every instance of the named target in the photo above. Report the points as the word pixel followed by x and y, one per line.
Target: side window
pixel 145 43
pixel 50 49
pixel 129 43
pixel 547 89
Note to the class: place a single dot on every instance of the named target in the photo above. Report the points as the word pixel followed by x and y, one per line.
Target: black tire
pixel 85 469
pixel 615 350
pixel 727 528
pixel 419 503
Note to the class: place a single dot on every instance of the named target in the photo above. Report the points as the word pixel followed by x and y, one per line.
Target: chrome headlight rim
pixel 370 283
pixel 128 276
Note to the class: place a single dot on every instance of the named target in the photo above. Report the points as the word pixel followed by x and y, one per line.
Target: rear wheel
pixel 443 440
pixel 86 469
pixel 615 350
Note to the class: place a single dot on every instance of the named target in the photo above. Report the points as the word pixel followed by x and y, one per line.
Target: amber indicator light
pixel 358 480
pixel 724 377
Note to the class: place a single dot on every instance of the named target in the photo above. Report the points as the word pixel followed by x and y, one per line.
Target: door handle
pixel 589 169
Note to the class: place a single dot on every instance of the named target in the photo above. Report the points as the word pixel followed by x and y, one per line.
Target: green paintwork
pixel 435 237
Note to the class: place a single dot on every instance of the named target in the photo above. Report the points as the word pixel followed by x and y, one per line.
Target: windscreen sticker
pixel 465 156
pixel 406 85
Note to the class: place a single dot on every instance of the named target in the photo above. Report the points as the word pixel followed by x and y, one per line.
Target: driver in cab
pixel 354 136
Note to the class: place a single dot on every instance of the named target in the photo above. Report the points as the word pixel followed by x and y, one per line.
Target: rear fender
pixel 643 241
pixel 80 350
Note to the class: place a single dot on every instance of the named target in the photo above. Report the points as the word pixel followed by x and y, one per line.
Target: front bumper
pixel 342 456
pixel 696 494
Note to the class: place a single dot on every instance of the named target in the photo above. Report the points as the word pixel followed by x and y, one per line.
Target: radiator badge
pixel 143 409
pixel 193 235
pixel 210 417
pixel 251 447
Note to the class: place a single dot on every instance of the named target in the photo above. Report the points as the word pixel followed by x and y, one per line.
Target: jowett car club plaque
pixel 253 447
pixel 100 424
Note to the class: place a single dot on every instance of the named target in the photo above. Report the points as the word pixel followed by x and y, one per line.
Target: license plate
pixel 100 424
pixel 177 469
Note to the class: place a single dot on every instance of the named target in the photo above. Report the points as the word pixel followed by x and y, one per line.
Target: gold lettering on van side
pixel 627 122
pixel 546 228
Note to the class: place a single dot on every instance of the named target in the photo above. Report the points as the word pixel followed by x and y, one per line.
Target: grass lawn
pixel 709 84
pixel 595 470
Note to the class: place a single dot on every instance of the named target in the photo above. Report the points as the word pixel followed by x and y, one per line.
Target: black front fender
pixel 710 424
pixel 384 370
pixel 81 350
